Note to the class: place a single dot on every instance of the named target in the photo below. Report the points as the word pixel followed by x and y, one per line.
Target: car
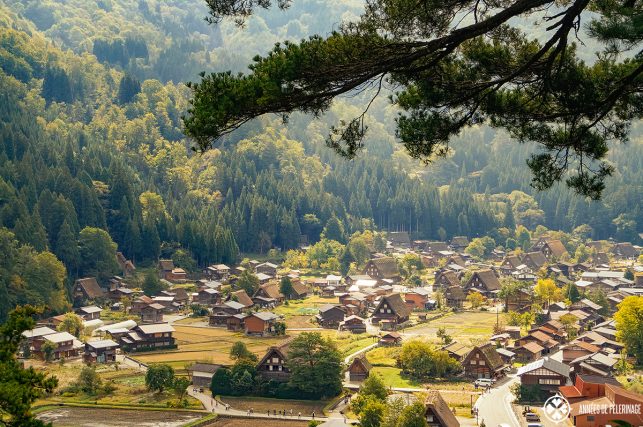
pixel 530 416
pixel 535 425
pixel 484 382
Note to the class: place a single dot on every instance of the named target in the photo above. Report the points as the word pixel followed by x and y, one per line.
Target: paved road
pixel 494 407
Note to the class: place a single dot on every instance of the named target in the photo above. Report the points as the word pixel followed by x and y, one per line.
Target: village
pixel 517 327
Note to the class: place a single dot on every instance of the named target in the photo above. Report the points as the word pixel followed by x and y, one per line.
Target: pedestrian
pixel 252 411
pixel 299 415
pixel 284 412
pixel 291 412
pixel 274 412
pixel 313 415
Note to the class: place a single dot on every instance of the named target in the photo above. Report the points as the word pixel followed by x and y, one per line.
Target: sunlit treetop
pixel 452 64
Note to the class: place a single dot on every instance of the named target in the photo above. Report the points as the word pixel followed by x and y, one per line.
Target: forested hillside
pixel 90 122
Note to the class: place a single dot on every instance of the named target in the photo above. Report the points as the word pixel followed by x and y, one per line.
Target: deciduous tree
pixel 315 364
pixel 19 387
pixel 159 377
pixel 629 326
pixel 71 323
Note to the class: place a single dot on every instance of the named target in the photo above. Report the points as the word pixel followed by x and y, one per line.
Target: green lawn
pixel 382 356
pixel 308 306
pixel 348 343
pixel 392 377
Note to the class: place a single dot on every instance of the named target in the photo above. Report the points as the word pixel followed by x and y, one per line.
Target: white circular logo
pixel 556 408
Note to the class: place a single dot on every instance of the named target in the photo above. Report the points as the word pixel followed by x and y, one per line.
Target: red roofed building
pixel 586 386
pixel 614 403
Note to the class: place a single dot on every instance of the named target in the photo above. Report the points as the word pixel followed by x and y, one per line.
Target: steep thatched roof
pixel 556 247
pixel 387 266
pixel 488 279
pixel 439 408
pixel 534 259
pixel 396 303
pixel 90 287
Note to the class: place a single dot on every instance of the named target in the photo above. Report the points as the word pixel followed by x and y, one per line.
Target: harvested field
pixel 262 404
pixel 247 422
pixel 465 327
pixel 212 345
pixel 101 417
pixel 300 322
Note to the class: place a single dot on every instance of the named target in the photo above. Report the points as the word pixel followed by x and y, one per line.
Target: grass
pixel 392 377
pixel 293 322
pixel 210 345
pixel 383 356
pixel 129 388
pixel 262 404
pixel 465 327
pixel 348 343
pixel 308 306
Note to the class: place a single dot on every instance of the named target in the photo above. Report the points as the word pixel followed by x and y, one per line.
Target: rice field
pixel 212 345
pixel 465 327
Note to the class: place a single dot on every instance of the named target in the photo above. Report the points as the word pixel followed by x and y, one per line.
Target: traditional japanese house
pixel 534 260
pixel 484 281
pixel 103 351
pixel 354 324
pixel 330 316
pixel 85 290
pixel 457 350
pixel 152 313
pixel 90 312
pixel 437 412
pixel 271 291
pixel 242 298
pixel 454 296
pixel 202 373
pixel 548 374
pixel 260 323
pixel 65 346
pixel 359 369
pixel 483 362
pixel 576 349
pixel 148 337
pixel 417 298
pixel 273 365
pixel 553 249
pixel 383 268
pixel 390 339
pixel 391 309
pixel 528 352
pixel 267 268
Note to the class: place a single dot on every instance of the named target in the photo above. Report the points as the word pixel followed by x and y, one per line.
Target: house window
pixel 270 367
pixel 382 310
pixel 388 310
pixel 590 418
pixel 429 418
pixel 275 360
pixel 548 381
